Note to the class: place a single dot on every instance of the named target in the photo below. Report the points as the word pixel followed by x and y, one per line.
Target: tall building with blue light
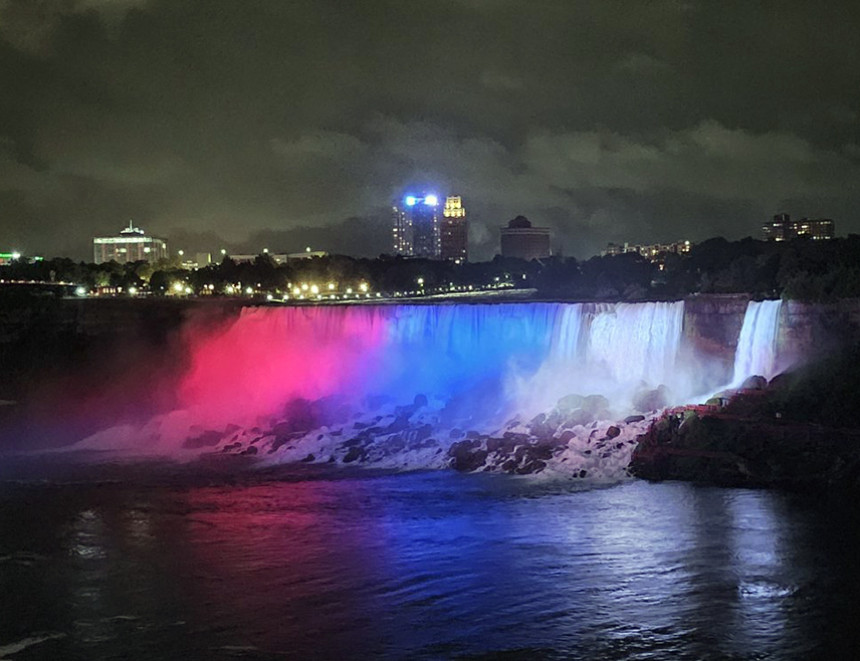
pixel 416 227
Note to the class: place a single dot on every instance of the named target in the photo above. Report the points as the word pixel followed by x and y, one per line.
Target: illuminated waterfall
pixel 756 350
pixel 534 352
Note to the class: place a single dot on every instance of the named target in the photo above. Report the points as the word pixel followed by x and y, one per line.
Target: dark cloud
pixel 298 122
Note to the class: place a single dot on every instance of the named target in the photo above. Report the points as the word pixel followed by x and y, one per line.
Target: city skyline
pixel 235 124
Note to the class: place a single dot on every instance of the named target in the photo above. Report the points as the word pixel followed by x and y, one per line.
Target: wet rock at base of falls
pixel 566 436
pixel 570 402
pixel 467 456
pixel 595 404
pixel 646 400
pixel 633 418
pixel 419 402
pixel 754 383
pixel 354 454
pixel 612 432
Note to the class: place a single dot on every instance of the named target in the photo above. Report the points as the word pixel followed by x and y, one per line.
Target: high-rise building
pixel 416 227
pixel 131 245
pixel 783 228
pixel 455 231
pixel 521 240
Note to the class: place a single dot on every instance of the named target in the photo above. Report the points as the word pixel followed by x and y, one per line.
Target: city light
pixel 331 286
pixel 297 290
pixel 81 291
pixel 178 287
pixel 315 289
pixel 132 291
pixel 410 201
pixel 249 290
pixel 363 287
pixel 16 255
pixel 188 290
pixel 431 200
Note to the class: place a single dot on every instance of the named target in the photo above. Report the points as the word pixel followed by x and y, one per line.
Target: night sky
pixel 287 123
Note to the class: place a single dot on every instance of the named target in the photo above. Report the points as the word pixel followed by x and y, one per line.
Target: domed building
pixel 523 241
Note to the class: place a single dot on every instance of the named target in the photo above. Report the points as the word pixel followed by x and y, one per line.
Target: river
pixel 151 562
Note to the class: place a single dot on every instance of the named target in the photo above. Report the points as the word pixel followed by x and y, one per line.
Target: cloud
pixel 29 25
pixel 708 159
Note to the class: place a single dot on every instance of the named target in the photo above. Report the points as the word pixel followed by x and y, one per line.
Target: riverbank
pixel 799 432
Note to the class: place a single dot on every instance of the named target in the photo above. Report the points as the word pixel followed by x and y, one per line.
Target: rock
pixel 578 417
pixel 754 383
pixel 510 465
pixel 465 457
pixel 566 436
pixel 353 455
pixel 612 432
pixel 539 419
pixel 456 433
pixel 633 418
pixel 651 400
pixel 309 458
pixel 595 403
pixel 400 423
pixel 569 403
pixel 250 450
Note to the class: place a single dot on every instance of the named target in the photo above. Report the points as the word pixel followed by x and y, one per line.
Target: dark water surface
pixel 425 565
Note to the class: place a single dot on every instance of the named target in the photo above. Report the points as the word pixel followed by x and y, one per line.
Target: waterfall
pixel 757 343
pixel 535 352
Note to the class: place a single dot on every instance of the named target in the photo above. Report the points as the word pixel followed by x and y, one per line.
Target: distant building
pixel 7 258
pixel 654 251
pixel 455 231
pixel 131 245
pixel 279 258
pixel 521 240
pixel 307 254
pixel 199 260
pixel 783 228
pixel 416 227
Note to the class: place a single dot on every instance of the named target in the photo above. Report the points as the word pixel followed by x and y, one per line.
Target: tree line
pixel 801 269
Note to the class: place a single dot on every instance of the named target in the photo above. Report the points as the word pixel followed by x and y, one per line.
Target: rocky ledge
pixel 749 438
pixel 579 437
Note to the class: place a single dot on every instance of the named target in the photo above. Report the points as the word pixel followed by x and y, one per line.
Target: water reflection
pixel 425 566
